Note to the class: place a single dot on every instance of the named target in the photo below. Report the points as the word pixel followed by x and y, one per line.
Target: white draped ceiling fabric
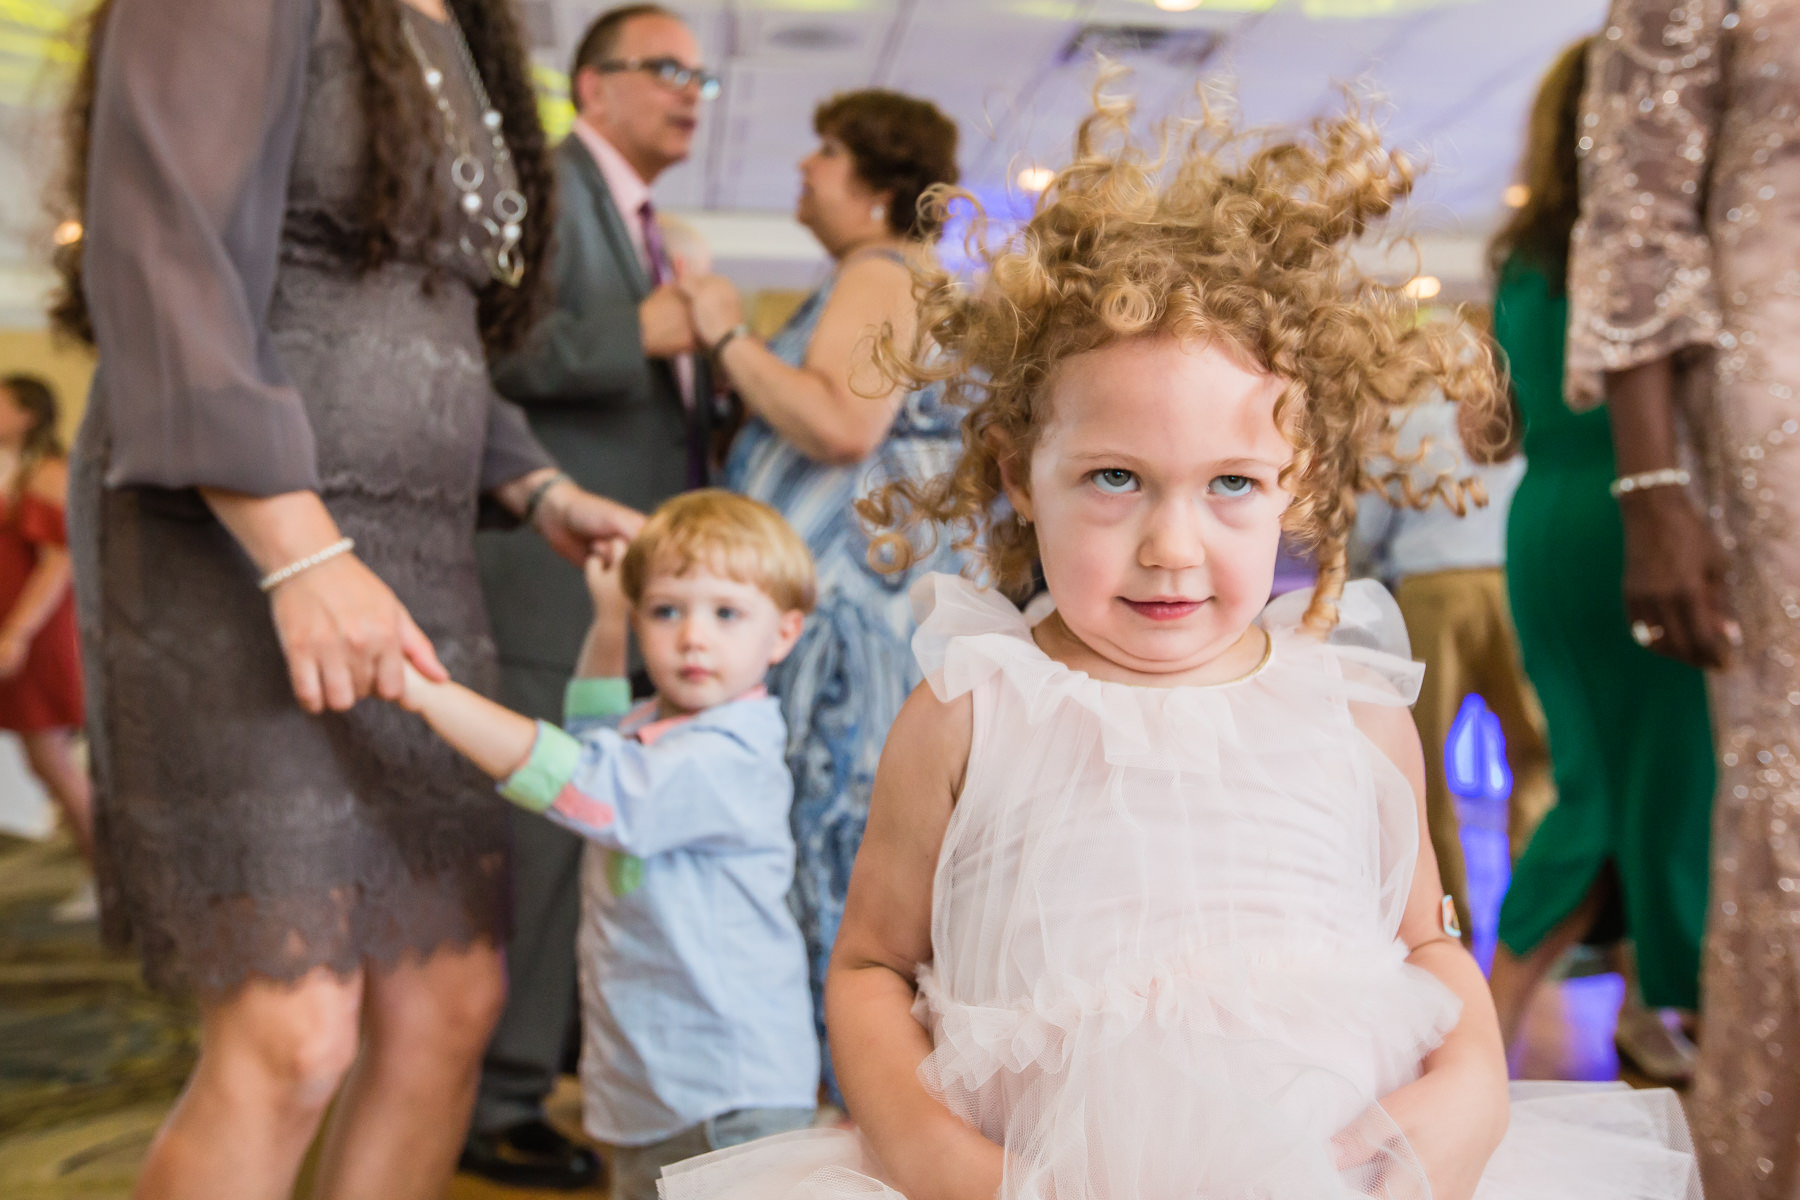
pixel 1455 78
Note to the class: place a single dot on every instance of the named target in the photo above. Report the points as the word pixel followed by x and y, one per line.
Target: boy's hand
pixel 603 650
pixel 602 573
pixel 417 689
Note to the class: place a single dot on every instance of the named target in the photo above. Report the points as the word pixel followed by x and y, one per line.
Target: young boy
pixel 697 1021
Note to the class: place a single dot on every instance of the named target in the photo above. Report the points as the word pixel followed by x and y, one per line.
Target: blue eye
pixel 726 613
pixel 1114 481
pixel 663 612
pixel 1233 485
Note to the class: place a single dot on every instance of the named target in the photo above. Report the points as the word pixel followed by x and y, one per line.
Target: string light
pixel 1178 5
pixel 1034 179
pixel 1423 287
pixel 67 233
pixel 1516 195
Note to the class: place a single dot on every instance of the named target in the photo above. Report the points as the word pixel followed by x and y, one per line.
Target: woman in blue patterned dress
pixel 822 429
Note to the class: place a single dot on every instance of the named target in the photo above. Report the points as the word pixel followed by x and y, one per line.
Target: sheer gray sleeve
pixel 512 450
pixel 195 120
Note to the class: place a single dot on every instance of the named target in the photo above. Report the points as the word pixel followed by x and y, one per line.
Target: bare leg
pixel 1514 978
pixel 271 1057
pixel 397 1131
pixel 51 755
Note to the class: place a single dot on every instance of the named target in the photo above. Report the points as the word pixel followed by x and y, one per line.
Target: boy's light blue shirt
pixel 693 972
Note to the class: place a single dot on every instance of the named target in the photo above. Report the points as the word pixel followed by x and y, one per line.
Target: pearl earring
pixel 878 213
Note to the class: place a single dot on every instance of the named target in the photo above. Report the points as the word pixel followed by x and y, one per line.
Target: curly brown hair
pixel 400 186
pixel 899 144
pixel 1240 236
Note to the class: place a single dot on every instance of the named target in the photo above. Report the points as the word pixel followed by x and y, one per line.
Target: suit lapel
pixel 576 157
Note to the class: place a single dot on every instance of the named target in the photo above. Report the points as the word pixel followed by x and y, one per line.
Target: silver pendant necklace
pixel 503 217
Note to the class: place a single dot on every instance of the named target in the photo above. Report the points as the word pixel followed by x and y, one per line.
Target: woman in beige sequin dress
pixel 1685 320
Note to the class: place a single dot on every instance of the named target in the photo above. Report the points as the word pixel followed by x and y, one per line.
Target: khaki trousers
pixel 1462 631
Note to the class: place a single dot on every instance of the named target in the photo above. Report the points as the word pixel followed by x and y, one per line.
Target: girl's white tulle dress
pixel 1163 929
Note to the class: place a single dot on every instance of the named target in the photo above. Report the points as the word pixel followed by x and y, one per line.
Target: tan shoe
pixel 1653 1042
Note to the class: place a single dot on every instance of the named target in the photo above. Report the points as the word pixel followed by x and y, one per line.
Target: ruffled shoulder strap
pixel 967 633
pixel 1369 643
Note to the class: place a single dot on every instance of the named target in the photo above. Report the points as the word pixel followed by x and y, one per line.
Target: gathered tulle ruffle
pixel 968 634
pixel 1260 1069
pixel 1308 996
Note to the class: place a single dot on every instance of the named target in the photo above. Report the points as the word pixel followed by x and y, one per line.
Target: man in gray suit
pixel 613 386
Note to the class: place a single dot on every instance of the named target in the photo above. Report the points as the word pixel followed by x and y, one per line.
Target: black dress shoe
pixel 530 1155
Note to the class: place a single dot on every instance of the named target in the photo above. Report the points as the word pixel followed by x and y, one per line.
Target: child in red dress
pixel 40 666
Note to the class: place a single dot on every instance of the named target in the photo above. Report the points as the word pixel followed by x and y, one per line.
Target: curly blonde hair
pixel 1218 233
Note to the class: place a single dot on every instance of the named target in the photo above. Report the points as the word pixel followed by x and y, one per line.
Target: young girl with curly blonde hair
pixel 1144 911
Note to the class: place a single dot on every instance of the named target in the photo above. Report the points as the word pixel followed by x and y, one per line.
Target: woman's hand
pixel 1674 569
pixel 347 636
pixel 14 650
pixel 1675 578
pixel 716 307
pixel 578 523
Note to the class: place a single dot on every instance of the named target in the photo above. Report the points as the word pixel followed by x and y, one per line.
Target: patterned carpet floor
pixel 89 1059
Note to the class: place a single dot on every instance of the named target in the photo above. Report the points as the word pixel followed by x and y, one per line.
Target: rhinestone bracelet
pixel 1644 480
pixel 280 576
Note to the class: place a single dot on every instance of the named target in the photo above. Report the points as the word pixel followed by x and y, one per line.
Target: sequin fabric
pixel 1689 245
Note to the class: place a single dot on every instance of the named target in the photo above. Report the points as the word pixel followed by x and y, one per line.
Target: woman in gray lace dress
pixel 306 221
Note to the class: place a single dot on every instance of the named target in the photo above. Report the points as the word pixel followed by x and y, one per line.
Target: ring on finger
pixel 1644 633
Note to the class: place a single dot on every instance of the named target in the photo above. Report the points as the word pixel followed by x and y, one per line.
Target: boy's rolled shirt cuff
pixel 596 698
pixel 537 783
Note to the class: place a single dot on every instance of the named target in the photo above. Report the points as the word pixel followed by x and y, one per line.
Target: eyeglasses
pixel 669 72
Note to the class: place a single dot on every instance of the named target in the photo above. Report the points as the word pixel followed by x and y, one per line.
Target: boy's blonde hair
pixel 1244 238
pixel 733 535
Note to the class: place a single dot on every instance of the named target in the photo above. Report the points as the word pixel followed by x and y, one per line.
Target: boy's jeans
pixel 635 1169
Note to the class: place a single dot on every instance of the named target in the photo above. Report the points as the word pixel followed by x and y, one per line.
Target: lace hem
pixel 194 940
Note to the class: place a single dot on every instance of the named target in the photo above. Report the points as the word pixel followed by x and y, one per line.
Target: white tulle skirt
pixel 1567 1141
pixel 1221 1079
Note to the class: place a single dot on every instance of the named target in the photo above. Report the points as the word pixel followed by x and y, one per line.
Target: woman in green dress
pixel 1630 742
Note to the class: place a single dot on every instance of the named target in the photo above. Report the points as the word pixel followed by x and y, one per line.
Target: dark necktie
pixel 661 271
